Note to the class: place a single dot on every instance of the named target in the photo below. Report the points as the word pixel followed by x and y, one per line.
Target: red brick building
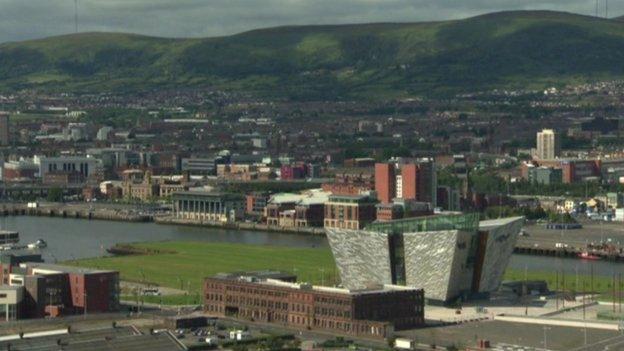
pixel 372 313
pixel 385 182
pixel 60 290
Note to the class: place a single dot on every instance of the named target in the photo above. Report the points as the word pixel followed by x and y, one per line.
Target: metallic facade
pixel 449 256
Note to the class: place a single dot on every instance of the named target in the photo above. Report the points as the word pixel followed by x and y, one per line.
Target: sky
pixel 29 19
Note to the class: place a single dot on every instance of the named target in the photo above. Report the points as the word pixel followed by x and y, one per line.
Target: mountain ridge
pixel 512 49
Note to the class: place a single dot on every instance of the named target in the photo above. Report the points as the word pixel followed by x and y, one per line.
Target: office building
pixel 548 145
pixel 545 175
pixel 385 182
pixel 406 180
pixel 450 256
pixel 374 312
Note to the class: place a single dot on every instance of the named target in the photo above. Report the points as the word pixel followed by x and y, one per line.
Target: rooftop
pixel 63 269
pixel 468 222
pixel 253 277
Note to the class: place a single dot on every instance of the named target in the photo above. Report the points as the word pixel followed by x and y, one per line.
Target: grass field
pixel 193 261
pixel 187 263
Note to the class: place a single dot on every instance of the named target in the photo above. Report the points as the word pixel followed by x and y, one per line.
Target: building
pixel 104 133
pixel 256 202
pixel 292 172
pixel 11 302
pixel 450 256
pixel 88 167
pixel 351 182
pixel 140 186
pixel 5 133
pixel 22 170
pixel 51 290
pixel 545 175
pixel 374 312
pixel 349 211
pixel 297 210
pixel 208 206
pixel 548 145
pixel 385 182
pixel 407 180
pixel 202 166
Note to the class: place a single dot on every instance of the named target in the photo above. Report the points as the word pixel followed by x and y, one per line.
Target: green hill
pixel 523 49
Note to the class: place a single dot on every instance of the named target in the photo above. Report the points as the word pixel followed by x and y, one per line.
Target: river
pixel 70 239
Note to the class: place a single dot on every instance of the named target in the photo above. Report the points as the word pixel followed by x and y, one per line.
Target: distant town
pixel 427 219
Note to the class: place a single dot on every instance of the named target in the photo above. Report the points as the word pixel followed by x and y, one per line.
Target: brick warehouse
pixel 54 290
pixel 371 313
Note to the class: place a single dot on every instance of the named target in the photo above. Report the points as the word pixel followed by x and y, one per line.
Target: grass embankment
pixel 184 264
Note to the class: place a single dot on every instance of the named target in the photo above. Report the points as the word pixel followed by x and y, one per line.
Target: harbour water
pixel 70 239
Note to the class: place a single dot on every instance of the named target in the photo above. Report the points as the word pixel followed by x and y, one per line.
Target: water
pixel 70 239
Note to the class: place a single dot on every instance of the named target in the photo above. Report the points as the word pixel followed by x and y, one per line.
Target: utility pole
pixel 85 304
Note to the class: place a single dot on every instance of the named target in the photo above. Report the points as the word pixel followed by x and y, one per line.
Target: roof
pixel 64 269
pixel 498 222
pixel 468 222
pixel 278 283
pixel 310 197
pixel 208 194
pixel 97 340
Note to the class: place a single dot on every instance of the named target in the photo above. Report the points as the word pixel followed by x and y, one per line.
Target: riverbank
pixel 75 211
pixel 126 214
pixel 241 226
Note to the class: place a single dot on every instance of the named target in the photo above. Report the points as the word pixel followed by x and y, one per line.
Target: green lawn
pixel 189 262
pixel 192 261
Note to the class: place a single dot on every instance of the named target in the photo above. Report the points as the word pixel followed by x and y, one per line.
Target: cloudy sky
pixel 26 19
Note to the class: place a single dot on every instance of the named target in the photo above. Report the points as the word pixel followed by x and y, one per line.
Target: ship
pixel 587 256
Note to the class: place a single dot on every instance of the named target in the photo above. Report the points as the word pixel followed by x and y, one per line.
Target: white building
pixel 10 299
pixel 87 166
pixel 548 145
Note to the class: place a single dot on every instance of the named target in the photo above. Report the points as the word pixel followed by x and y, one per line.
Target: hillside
pixel 519 49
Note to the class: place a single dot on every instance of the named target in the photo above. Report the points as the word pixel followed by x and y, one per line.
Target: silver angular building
pixel 449 256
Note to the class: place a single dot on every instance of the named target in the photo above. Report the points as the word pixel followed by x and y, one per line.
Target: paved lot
pixel 557 338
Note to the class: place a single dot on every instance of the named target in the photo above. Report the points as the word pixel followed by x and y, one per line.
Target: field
pixel 184 264
pixel 187 262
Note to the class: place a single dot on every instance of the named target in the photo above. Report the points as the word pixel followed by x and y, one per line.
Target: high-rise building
pixel 548 145
pixel 413 181
pixel 4 129
pixel 385 182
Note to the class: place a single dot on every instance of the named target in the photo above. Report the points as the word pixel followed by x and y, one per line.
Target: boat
pixel 39 244
pixel 587 256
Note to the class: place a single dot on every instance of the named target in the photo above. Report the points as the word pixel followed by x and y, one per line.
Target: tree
pixel 55 195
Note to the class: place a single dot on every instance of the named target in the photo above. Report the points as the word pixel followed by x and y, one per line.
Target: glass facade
pixel 465 222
